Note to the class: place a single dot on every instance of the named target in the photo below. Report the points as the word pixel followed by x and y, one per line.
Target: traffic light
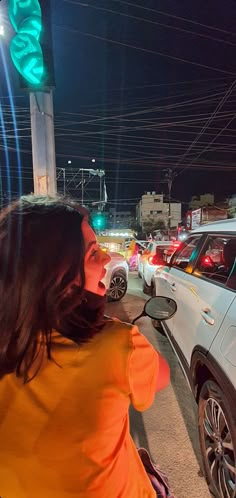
pixel 31 47
pixel 98 221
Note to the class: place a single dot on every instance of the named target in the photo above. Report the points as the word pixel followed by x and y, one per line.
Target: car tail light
pixel 154 260
pixel 207 261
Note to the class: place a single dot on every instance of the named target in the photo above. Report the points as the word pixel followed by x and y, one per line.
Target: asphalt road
pixel 168 430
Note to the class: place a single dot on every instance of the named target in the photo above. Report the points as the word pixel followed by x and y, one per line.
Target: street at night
pixel 117 183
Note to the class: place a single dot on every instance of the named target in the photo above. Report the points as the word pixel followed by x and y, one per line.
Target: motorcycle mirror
pixel 158 308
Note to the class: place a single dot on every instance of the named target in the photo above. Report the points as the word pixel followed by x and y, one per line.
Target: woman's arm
pixel 163 375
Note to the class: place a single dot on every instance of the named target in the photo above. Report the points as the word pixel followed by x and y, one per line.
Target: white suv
pixel 201 277
pixel 116 278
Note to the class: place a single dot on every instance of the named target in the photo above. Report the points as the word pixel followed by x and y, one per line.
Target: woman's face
pixel 94 262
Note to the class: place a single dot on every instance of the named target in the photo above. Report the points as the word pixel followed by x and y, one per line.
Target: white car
pixel 201 277
pixel 116 278
pixel 153 257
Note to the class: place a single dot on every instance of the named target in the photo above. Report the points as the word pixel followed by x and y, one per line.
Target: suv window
pixel 217 260
pixel 162 253
pixel 186 253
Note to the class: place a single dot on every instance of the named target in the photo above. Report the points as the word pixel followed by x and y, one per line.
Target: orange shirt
pixel 66 433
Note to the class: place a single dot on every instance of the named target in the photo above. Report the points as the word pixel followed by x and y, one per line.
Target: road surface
pixel 168 430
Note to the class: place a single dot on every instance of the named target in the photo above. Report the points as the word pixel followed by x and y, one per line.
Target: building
pixel 153 208
pixel 119 219
pixel 204 209
pixel 214 213
pixel 208 214
pixel 202 201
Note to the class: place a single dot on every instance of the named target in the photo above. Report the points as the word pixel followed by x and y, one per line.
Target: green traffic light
pixel 22 10
pixel 32 26
pixel 27 56
pixel 25 48
pixel 98 221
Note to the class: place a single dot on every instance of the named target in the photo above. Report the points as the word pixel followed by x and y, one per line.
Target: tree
pixel 160 225
pixel 134 225
pixel 150 225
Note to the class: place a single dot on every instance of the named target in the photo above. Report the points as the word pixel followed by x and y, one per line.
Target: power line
pixel 175 28
pixel 145 50
pixel 153 109
pixel 156 85
pixel 213 115
pixel 191 21
pixel 207 147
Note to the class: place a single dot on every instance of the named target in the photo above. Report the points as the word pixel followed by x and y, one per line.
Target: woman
pixel 67 375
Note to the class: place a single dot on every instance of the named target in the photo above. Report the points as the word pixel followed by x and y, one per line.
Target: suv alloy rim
pixel 117 287
pixel 220 453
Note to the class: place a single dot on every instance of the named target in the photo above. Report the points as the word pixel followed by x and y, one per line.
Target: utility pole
pixel 170 177
pixel 43 143
pixel 100 193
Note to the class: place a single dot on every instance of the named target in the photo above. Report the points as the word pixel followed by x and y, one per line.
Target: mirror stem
pixel 137 317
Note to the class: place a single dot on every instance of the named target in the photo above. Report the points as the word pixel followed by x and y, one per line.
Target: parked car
pixel 155 256
pixel 201 276
pixel 116 278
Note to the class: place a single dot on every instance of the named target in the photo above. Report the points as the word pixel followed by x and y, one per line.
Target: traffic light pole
pixel 43 143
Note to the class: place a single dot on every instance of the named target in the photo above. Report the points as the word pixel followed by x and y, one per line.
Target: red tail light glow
pixel 207 261
pixel 176 244
pixel 154 260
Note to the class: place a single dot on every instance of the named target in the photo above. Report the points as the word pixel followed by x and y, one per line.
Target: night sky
pixel 136 85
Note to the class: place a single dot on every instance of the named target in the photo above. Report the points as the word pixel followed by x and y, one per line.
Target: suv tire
pixel 118 286
pixel 217 433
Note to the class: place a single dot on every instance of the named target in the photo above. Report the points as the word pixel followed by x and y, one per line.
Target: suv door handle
pixel 207 317
pixel 173 287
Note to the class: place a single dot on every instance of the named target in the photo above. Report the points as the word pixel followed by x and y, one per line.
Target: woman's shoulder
pixel 117 331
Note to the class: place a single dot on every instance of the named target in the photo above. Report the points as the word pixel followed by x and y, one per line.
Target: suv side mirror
pixel 158 308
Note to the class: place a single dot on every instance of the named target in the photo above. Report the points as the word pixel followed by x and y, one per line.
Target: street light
pixel 69 162
pixel 93 160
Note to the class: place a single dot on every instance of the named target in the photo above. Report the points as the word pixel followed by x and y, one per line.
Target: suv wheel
pixel 118 287
pixel 217 431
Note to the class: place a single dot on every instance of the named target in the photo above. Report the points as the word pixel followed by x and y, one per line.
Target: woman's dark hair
pixel 41 278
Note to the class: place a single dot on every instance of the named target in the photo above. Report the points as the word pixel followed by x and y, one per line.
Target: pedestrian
pixel 67 374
